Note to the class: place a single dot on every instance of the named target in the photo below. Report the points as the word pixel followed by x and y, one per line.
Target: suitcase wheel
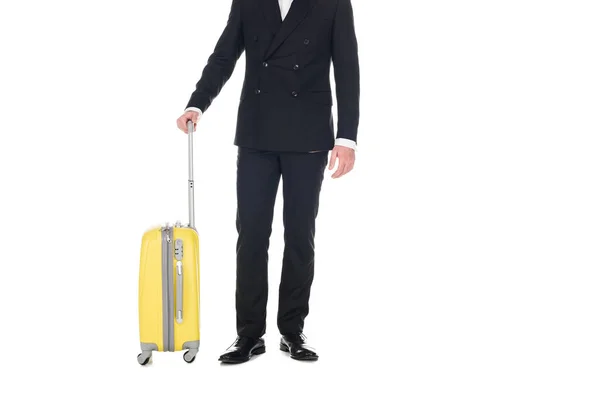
pixel 144 359
pixel 187 358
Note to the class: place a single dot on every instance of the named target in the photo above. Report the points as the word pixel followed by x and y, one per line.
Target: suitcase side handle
pixel 190 128
pixel 179 298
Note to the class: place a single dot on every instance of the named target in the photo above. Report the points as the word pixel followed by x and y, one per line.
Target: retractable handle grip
pixel 190 129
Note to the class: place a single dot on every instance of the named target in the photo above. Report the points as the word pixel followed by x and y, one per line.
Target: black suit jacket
pixel 286 99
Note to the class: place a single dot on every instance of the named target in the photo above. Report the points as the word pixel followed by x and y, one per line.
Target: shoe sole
pixel 254 352
pixel 286 349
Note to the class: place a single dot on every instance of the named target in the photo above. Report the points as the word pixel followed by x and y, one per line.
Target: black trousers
pixel 258 176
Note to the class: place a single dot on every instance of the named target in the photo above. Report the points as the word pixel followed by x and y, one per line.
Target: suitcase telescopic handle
pixel 190 129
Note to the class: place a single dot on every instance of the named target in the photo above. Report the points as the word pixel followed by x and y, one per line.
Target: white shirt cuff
pixel 346 143
pixel 199 111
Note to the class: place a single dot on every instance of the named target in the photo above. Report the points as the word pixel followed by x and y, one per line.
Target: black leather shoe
pixel 295 344
pixel 242 350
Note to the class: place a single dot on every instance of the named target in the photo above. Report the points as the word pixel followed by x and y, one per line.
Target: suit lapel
pixel 297 13
pixel 272 15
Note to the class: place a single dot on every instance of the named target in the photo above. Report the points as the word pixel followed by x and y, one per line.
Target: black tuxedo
pixel 286 99
pixel 284 116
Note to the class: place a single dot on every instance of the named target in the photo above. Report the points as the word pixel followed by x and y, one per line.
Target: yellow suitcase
pixel 169 285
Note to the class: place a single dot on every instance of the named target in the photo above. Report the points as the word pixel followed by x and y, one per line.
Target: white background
pixel 459 260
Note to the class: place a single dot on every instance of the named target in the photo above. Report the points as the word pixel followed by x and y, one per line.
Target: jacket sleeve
pixel 221 62
pixel 346 70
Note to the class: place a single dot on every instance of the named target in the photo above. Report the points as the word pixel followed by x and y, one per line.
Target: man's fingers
pixel 340 169
pixel 340 172
pixel 332 159
pixel 345 165
pixel 349 167
pixel 180 124
pixel 183 120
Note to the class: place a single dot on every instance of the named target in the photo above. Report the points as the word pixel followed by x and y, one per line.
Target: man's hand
pixel 345 155
pixel 187 116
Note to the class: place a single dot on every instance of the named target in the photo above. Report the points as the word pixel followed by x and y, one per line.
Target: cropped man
pixel 284 131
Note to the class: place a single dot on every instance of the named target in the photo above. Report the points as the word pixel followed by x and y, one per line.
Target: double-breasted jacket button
pixel 306 41
pixel 265 64
pixel 296 67
pixel 294 94
pixel 257 91
pixel 255 38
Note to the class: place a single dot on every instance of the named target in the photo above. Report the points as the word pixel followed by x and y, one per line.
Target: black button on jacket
pixel 313 34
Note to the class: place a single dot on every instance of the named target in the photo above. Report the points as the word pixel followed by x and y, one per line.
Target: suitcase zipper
pixel 168 302
pixel 171 289
pixel 165 289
